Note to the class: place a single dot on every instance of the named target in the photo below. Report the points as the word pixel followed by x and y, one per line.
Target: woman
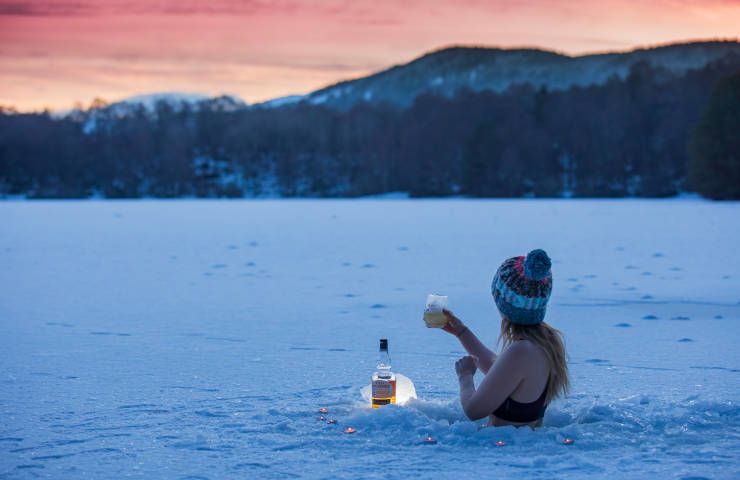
pixel 531 371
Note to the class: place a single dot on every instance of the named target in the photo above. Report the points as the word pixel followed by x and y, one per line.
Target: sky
pixel 54 53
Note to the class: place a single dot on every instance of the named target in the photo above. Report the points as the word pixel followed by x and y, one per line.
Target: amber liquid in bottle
pixel 384 381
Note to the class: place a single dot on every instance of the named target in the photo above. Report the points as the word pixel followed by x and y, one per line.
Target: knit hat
pixel 522 286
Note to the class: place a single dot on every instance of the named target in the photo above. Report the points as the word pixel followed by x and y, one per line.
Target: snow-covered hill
pixel 448 70
pixel 152 101
pixel 280 101
pixel 176 100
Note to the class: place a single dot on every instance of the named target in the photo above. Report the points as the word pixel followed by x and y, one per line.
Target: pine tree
pixel 714 152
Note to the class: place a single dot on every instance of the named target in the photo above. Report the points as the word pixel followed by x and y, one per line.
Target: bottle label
pixel 382 389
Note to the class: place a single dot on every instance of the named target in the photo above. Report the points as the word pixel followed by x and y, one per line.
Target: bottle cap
pixel 383 344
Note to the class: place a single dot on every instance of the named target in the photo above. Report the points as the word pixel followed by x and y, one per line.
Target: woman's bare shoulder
pixel 524 350
pixel 523 346
pixel 516 354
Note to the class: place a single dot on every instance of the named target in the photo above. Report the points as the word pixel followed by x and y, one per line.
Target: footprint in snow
pixel 658 255
pixel 208 414
pixel 226 339
pixel 647 274
pixel 680 317
pixel 368 265
pixel 718 317
pixel 11 439
pixel 597 361
pixel 219 266
pixel 253 243
pixel 232 247
pixel 685 340
pixel 649 317
pixel 250 264
pixel 647 297
pixel 590 275
pixel 676 269
pixel 623 325
pixel 630 267
pixel 377 306
pixel 403 248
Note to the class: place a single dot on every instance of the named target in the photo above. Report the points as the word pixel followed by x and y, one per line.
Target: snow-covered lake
pixel 198 339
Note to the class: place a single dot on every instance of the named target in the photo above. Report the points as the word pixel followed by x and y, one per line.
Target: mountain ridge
pixel 448 69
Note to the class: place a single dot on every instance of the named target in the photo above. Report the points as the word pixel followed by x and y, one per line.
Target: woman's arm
pixel 497 385
pixel 465 369
pixel 470 342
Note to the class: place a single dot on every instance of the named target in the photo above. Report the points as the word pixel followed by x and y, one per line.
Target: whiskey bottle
pixel 384 382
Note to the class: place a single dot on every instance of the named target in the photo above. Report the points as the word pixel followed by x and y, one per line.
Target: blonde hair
pixel 550 341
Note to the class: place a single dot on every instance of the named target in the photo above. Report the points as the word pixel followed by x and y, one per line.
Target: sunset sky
pixel 56 52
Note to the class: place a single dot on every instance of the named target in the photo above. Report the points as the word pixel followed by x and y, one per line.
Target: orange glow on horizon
pixel 54 53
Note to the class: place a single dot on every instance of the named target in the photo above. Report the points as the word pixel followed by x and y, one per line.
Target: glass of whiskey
pixel 433 315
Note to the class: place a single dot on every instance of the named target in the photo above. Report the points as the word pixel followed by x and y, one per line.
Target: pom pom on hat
pixel 537 265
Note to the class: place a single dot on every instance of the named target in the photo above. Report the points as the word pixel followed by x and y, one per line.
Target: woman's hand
pixel 454 325
pixel 466 366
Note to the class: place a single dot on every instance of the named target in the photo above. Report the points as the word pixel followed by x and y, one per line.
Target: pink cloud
pixel 265 48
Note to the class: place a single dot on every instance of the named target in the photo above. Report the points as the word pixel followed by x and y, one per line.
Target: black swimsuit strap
pixel 514 411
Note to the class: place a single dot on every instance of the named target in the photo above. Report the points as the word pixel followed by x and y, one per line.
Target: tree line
pixel 650 134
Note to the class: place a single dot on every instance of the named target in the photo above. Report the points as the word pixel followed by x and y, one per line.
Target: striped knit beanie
pixel 522 286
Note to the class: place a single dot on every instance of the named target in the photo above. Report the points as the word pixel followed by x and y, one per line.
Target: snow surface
pixel 198 339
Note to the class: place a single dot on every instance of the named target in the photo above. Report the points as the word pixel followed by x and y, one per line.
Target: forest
pixel 650 134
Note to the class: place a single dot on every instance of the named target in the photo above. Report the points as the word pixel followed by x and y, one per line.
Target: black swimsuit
pixel 513 411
